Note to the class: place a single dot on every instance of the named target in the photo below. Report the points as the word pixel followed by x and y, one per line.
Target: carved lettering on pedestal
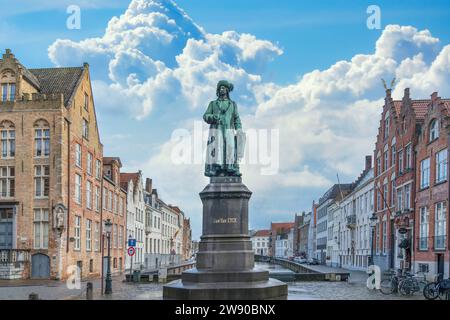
pixel 225 220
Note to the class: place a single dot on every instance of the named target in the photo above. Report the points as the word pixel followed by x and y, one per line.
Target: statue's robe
pixel 221 151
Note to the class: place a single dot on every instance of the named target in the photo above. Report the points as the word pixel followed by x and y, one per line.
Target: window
pixel 8 143
pixel 97 236
pixel 110 200
pixel 89 194
pixel 88 235
pixel 86 101
pixel 40 228
pixel 377 243
pixel 121 237
pixel 97 199
pixel 440 225
pixel 400 161
pixel 425 173
pixel 115 203
pixel 89 163
pixel 378 165
pixel 400 199
pixel 384 236
pixel 42 142
pixel 85 129
pixel 78 155
pixel 120 206
pixel 41 181
pixel 78 188
pixel 115 236
pixel 8 91
pixel 393 154
pixel 392 193
pixel 385 194
pixel 386 128
pixel 7 182
pixel 98 169
pixel 407 196
pixel 408 163
pixel 434 130
pixel 423 228
pixel 105 195
pixel 441 166
pixel 385 155
pixel 77 233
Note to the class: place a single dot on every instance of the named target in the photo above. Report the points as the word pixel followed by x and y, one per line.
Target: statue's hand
pixel 216 118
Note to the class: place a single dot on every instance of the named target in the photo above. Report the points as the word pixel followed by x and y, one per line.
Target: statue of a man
pixel 226 139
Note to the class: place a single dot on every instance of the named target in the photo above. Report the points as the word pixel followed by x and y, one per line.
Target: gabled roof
pixel 57 80
pixel 109 160
pixel 262 233
pixel 125 178
pixel 281 226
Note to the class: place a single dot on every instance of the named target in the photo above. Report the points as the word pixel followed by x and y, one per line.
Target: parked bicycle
pixel 412 283
pixel 390 284
pixel 440 288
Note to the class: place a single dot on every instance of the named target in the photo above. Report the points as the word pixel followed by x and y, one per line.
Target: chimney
pixel 148 185
pixel 368 163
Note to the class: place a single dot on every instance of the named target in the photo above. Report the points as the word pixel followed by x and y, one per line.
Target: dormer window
pixel 434 130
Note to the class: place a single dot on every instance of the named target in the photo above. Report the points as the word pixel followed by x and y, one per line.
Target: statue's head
pixel 224 87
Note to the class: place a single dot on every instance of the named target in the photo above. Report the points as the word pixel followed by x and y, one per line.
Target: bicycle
pixel 411 284
pixel 390 285
pixel 438 289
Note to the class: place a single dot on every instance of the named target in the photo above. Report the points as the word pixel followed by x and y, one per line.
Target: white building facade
pixel 355 231
pixel 260 242
pixel 132 182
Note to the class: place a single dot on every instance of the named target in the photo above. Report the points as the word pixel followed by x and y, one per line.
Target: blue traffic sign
pixel 132 242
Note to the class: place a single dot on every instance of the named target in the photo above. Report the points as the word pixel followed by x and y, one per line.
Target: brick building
pixel 51 160
pixel 278 230
pixel 431 250
pixel 114 200
pixel 187 239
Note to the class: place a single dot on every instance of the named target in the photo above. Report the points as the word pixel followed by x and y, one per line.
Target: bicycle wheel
pixel 444 294
pixel 406 287
pixel 386 286
pixel 430 292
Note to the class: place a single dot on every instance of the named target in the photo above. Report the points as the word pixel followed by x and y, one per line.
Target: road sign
pixel 131 251
pixel 132 242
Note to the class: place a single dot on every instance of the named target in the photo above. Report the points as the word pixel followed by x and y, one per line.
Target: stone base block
pixel 262 290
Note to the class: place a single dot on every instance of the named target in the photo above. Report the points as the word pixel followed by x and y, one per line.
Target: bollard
pixel 33 296
pixel 89 291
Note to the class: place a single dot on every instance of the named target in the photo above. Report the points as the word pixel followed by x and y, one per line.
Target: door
pixel 40 266
pixel 440 265
pixel 6 228
pixel 392 246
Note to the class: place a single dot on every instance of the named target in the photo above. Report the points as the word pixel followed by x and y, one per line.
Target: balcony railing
pixel 351 221
pixel 439 243
pixel 14 255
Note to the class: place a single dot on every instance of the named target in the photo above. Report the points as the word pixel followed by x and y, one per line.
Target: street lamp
pixel 108 285
pixel 373 222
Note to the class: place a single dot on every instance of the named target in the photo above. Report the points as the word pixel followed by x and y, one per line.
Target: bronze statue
pixel 226 139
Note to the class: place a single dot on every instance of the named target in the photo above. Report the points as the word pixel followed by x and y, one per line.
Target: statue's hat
pixel 226 84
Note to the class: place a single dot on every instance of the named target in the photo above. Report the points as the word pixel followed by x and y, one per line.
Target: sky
pixel 307 73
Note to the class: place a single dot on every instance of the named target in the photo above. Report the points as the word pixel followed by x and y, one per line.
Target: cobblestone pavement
pixel 354 289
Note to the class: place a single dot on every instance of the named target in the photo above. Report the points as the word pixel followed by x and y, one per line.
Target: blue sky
pixel 289 40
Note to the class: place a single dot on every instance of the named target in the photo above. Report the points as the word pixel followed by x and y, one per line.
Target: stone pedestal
pixel 225 260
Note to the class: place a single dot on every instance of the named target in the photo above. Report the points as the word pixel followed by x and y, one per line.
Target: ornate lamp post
pixel 108 284
pixel 373 222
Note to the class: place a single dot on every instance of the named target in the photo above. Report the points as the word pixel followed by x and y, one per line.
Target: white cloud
pixel 154 56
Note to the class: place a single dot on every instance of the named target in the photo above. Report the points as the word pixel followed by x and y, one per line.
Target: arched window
pixel 41 138
pixel 7 85
pixel 434 130
pixel 8 139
